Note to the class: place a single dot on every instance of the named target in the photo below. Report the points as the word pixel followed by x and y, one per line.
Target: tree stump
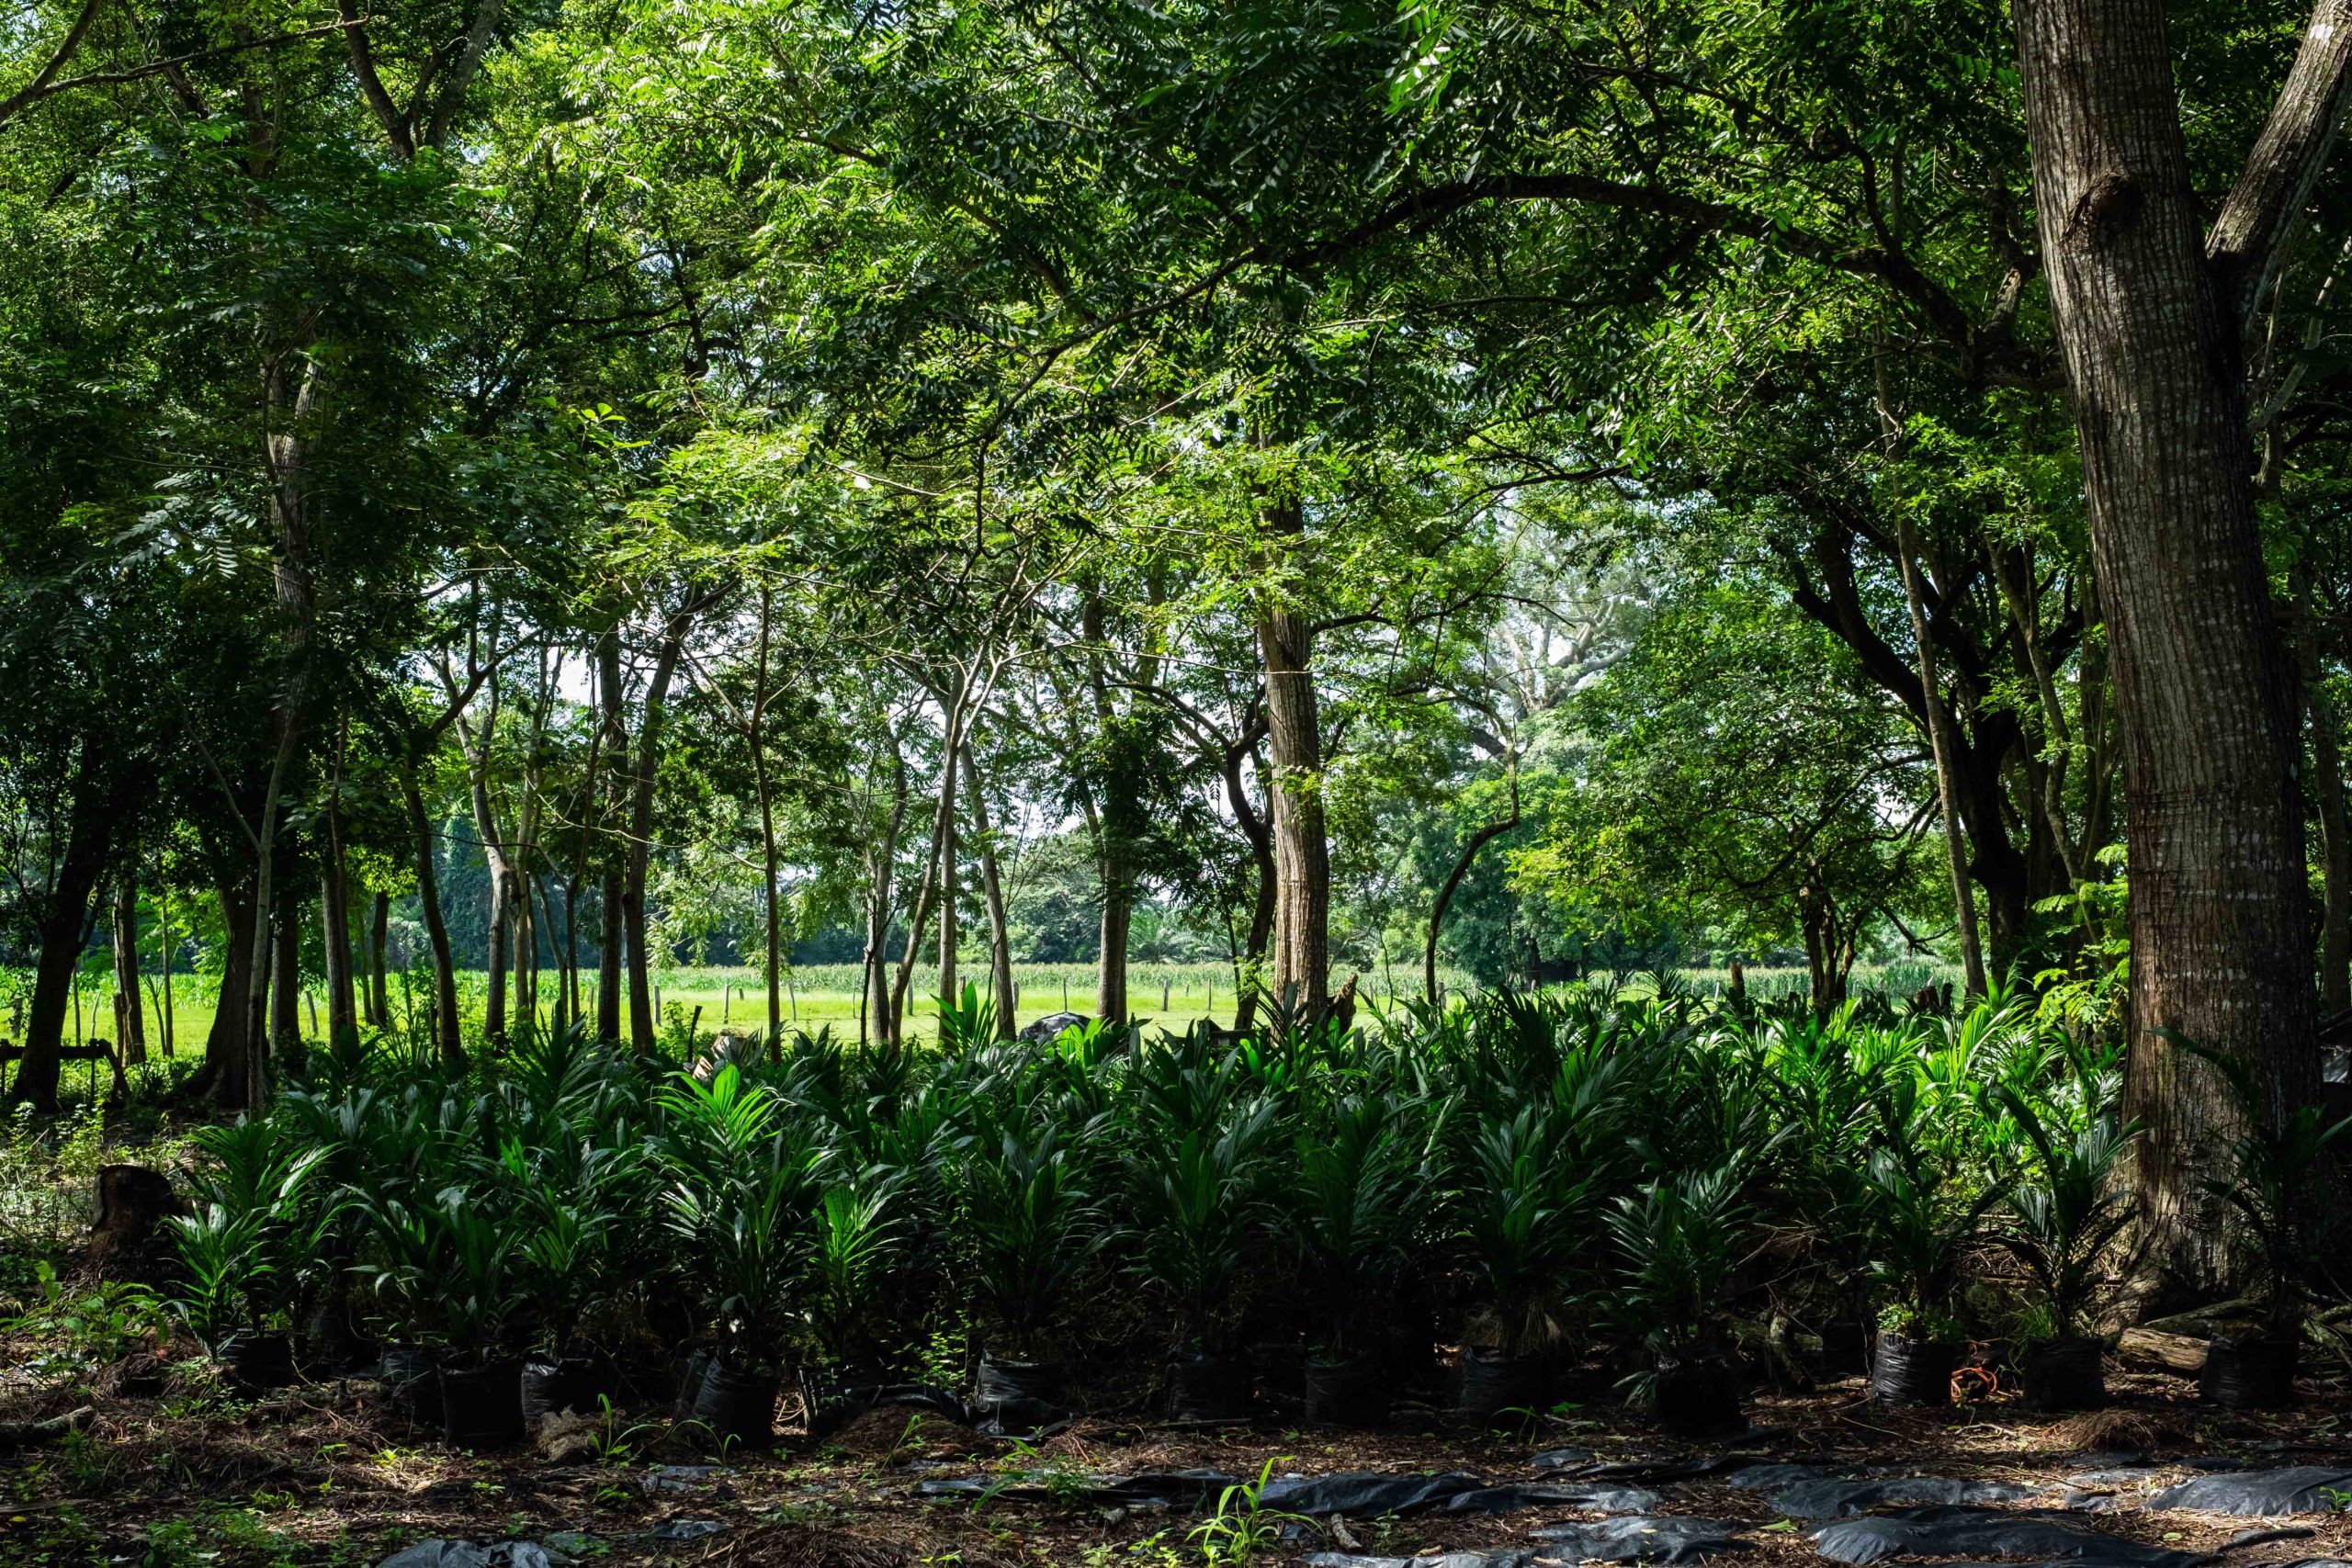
pixel 127 1240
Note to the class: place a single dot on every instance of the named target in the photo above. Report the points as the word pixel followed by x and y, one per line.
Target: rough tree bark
pixel 992 892
pixel 334 907
pixel 2327 792
pixel 1302 943
pixel 379 995
pixel 130 1019
pixel 223 1073
pixel 293 404
pixel 642 1024
pixel 1249 969
pixel 2150 318
pixel 613 738
pixel 101 794
pixel 771 884
pixel 446 1036
pixel 285 980
pixel 874 1012
pixel 476 744
pixel 1941 743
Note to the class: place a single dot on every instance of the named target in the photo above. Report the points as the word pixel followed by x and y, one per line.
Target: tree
pixel 2151 311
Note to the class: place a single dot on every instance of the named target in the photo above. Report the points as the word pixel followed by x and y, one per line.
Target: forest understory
pixel 331 1472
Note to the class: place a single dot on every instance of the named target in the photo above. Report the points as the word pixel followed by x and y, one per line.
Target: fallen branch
pixel 15 1435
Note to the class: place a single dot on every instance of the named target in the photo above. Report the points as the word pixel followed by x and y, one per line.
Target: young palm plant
pixel 2065 1212
pixel 1681 1237
pixel 1364 1189
pixel 1196 1185
pixel 858 1233
pixel 1031 1226
pixel 2278 1159
pixel 742 1190
pixel 251 1245
pixel 1524 1210
pixel 1922 1215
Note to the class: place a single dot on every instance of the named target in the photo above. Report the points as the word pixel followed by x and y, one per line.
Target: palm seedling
pixel 1824 1087
pixel 1921 1217
pixel 1522 1208
pixel 2276 1157
pixel 1031 1226
pixel 2065 1212
pixel 1197 1184
pixel 741 1187
pixel 251 1246
pixel 1681 1238
pixel 1364 1189
pixel 858 1233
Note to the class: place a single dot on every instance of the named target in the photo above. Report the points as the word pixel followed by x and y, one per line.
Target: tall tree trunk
pixel 1941 743
pixel 571 949
pixel 643 1025
pixel 225 1056
pixel 613 739
pixel 874 1012
pixel 1116 822
pixel 1249 973
pixel 936 869
pixel 165 1023
pixel 285 981
pixel 2153 336
pixel 335 909
pixel 1116 870
pixel 1302 939
pixel 523 940
pixel 992 891
pixel 770 882
pixel 2327 796
pixel 2014 577
pixel 1462 863
pixel 380 994
pixel 100 795
pixel 334 937
pixel 501 879
pixel 130 1017
pixel 446 1033
pixel 291 407
pixel 950 932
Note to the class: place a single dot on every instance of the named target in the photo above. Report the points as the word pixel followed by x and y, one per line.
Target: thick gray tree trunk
pixel 1302 939
pixel 2152 333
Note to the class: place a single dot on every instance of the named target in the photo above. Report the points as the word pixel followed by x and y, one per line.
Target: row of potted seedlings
pixel 472 1231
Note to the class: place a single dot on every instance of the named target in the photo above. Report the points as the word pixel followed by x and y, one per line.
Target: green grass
pixel 1171 996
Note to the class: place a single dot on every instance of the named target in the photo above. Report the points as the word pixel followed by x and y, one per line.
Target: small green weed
pixel 1242 1526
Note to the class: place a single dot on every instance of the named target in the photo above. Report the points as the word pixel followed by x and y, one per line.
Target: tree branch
pixel 40 85
pixel 2288 158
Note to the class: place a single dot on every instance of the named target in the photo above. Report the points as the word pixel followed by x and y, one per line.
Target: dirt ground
pixel 327 1473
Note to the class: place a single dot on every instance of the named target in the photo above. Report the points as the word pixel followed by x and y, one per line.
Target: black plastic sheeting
pixel 1510 1557
pixel 2245 1538
pixel 466 1554
pixel 1774 1473
pixel 1662 1468
pixel 1602 1499
pixel 1674 1538
pixel 1949 1532
pixel 2299 1489
pixel 1827 1499
pixel 1561 1458
pixel 1364 1494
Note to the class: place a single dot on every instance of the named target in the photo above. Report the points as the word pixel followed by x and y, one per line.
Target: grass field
pixel 1171 996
